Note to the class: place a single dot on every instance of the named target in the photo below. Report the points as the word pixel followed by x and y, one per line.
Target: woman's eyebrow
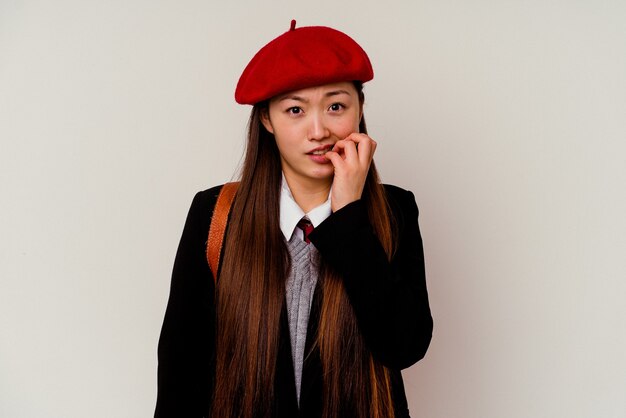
pixel 336 92
pixel 305 100
pixel 293 97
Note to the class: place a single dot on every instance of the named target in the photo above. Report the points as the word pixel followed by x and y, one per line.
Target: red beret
pixel 300 58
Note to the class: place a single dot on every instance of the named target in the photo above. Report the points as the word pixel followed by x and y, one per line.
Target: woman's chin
pixel 323 174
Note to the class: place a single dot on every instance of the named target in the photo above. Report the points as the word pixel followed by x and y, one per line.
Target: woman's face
pixel 306 123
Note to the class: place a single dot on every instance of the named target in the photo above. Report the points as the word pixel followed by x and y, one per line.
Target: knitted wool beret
pixel 300 58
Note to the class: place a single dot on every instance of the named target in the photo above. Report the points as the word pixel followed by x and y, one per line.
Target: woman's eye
pixel 335 107
pixel 294 110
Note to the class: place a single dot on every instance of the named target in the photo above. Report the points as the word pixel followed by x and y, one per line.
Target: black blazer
pixel 389 299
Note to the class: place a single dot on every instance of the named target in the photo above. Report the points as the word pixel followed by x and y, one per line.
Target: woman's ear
pixel 265 120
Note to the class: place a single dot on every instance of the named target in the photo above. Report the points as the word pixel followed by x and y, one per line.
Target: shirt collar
pixel 291 213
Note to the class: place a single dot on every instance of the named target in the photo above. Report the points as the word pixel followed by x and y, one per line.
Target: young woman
pixel 321 298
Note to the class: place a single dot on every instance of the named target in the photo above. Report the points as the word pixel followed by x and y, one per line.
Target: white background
pixel 507 119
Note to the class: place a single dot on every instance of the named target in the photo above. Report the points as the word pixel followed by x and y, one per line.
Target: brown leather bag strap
pixel 218 226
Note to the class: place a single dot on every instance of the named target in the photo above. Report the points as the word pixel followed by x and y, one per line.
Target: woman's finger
pixel 335 159
pixel 366 147
pixel 349 149
pixel 340 148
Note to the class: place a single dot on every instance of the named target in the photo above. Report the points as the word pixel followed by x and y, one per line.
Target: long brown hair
pixel 250 295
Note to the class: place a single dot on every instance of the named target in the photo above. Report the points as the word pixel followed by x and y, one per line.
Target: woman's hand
pixel 351 158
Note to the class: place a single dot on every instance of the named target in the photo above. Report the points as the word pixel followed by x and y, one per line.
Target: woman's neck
pixel 309 195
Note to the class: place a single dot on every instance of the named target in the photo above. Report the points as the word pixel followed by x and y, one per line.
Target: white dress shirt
pixel 291 213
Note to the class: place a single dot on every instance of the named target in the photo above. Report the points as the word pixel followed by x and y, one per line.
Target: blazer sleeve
pixel 186 344
pixel 389 298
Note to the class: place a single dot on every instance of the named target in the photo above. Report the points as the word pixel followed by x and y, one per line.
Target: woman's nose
pixel 317 128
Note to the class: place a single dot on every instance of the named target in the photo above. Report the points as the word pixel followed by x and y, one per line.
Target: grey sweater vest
pixel 299 295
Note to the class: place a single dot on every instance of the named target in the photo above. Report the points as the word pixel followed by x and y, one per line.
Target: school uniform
pixel 389 299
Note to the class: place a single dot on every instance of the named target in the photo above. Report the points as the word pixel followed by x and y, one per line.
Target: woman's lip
pixel 322 148
pixel 320 159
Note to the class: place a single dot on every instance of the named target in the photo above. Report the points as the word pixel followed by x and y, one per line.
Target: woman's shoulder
pixel 207 197
pixel 401 202
pixel 202 206
pixel 398 195
pixel 395 190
